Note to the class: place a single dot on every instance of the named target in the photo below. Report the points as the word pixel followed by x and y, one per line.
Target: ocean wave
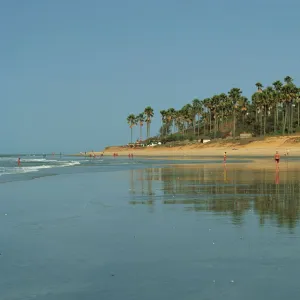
pixel 22 170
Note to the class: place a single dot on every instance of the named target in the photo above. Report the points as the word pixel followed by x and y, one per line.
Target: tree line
pixel 273 109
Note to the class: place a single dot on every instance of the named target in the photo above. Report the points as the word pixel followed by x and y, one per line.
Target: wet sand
pixel 158 230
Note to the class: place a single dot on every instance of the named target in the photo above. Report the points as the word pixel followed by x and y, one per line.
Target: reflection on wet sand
pixel 274 196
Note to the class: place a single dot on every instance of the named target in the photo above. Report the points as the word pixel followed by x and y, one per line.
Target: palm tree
pixel 140 118
pixel 298 108
pixel 278 99
pixel 187 116
pixel 288 80
pixel 259 86
pixel 207 105
pixel 215 101
pixel 290 94
pixel 222 105
pixel 198 110
pixel 244 108
pixel 256 101
pixel 234 95
pixel 131 120
pixel 171 113
pixel 163 120
pixel 149 113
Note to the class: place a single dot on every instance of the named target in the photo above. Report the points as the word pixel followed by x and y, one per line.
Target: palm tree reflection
pixel 228 191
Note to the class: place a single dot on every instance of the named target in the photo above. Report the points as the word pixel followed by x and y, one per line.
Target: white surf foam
pixel 22 170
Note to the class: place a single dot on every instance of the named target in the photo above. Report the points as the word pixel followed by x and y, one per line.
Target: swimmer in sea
pixel 19 161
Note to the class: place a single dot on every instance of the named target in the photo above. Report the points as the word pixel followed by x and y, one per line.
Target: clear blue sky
pixel 72 70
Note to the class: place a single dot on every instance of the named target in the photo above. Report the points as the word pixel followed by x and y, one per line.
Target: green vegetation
pixel 273 110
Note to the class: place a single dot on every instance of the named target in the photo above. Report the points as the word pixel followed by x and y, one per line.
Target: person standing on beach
pixel 277 158
pixel 225 157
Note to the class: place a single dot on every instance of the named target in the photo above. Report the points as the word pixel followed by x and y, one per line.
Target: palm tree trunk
pixel 215 127
pixel 141 126
pixel 265 119
pixel 209 121
pixel 131 135
pixel 292 118
pixel 234 123
pixel 222 122
pixel 277 115
pixel 147 129
pixel 284 119
pixel 288 118
pixel 261 122
pixel 275 125
pixel 198 125
pixel 298 115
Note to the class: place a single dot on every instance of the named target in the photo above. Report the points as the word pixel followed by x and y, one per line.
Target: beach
pixel 113 228
pixel 258 148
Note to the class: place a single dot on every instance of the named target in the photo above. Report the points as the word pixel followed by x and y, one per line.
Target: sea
pixel 118 228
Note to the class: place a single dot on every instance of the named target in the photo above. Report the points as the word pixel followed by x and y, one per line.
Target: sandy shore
pixel 266 147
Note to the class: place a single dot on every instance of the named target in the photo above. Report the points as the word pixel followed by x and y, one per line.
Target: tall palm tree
pixel 163 120
pixel 290 94
pixel 171 113
pixel 187 116
pixel 257 101
pixel 207 105
pixel 222 105
pixel 215 102
pixel 234 95
pixel 198 110
pixel 244 103
pixel 278 100
pixel 131 120
pixel 140 118
pixel 298 108
pixel 149 113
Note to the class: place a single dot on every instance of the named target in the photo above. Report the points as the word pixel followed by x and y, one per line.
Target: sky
pixel 71 71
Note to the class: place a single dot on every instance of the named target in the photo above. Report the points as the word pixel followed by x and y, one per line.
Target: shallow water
pixel 151 230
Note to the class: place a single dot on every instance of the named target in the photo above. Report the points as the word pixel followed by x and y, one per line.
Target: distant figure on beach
pixel 19 161
pixel 225 157
pixel 277 158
